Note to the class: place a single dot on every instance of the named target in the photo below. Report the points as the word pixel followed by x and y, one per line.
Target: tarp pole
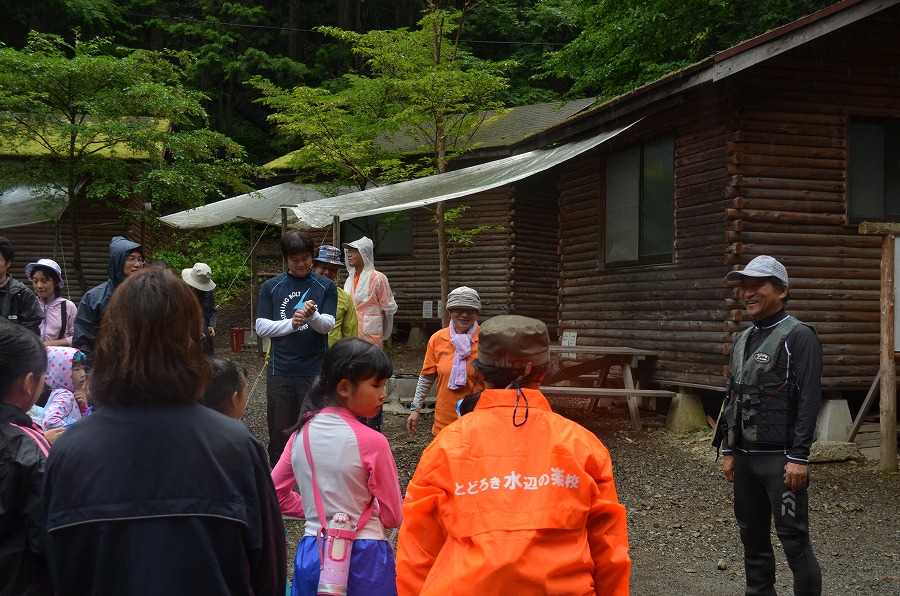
pixel 336 231
pixel 284 230
pixel 259 346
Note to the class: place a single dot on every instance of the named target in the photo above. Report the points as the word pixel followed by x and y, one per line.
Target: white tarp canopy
pixel 440 187
pixel 26 205
pixel 263 206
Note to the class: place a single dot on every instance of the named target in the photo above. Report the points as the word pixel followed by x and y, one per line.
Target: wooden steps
pixel 868 438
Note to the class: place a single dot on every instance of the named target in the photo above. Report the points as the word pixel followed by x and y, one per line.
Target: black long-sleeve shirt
pixel 800 361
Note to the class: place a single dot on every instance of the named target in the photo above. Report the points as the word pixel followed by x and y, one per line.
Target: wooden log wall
pixel 761 162
pixel 534 264
pixel 45 240
pixel 789 184
pixel 483 266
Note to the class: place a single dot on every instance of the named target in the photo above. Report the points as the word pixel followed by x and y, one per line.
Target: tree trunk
pixel 76 241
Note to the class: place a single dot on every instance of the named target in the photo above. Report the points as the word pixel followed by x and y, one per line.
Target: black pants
pixel 284 398
pixel 759 495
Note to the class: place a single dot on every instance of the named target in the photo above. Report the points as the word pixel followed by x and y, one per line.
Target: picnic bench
pixel 592 365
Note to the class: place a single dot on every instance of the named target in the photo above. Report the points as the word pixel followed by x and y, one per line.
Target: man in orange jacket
pixel 512 498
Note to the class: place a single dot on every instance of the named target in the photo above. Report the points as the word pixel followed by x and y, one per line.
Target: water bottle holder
pixel 339 533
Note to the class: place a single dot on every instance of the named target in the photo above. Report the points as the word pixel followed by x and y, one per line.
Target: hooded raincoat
pixel 372 296
pixel 62 407
pixel 495 508
pixel 94 301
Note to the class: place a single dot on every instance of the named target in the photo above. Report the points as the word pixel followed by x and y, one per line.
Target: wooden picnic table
pixel 599 360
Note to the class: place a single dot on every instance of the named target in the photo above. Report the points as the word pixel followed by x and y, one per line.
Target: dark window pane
pixel 892 171
pixel 392 233
pixel 622 205
pixel 658 201
pixel 866 171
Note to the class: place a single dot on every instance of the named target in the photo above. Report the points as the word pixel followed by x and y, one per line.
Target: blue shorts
pixel 373 571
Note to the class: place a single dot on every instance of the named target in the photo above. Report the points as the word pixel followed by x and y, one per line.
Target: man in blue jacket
pixel 296 310
pixel 125 257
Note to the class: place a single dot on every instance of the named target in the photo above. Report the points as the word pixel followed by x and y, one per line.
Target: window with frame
pixel 874 171
pixel 640 203
pixel 392 233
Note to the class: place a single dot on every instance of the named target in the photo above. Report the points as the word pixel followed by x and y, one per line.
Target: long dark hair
pixel 352 359
pixel 21 352
pixel 148 347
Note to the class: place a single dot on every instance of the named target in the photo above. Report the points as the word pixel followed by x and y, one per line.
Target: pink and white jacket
pixel 50 326
pixel 353 464
pixel 62 407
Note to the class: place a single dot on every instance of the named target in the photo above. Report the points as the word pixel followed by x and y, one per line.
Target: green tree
pixel 521 32
pixel 420 84
pixel 624 44
pixel 100 124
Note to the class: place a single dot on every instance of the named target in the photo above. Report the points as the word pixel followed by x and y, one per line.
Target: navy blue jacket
pixel 158 499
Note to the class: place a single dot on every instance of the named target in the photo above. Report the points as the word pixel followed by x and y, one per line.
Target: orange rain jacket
pixel 498 509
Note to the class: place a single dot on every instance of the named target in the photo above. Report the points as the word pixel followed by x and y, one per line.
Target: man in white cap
pixel 199 277
pixel 766 429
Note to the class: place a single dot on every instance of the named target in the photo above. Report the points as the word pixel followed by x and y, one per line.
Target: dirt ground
pixel 681 529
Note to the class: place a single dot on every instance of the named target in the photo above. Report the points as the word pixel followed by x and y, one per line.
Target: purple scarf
pixel 462 342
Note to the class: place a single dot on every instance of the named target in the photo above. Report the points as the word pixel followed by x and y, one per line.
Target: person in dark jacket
pixel 18 304
pixel 125 258
pixel 199 277
pixel 155 493
pixel 768 422
pixel 23 456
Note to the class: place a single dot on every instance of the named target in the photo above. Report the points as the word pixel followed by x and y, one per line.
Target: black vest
pixel 765 403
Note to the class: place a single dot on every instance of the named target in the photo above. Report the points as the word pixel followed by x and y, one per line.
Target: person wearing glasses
pixel 125 258
pixel 448 361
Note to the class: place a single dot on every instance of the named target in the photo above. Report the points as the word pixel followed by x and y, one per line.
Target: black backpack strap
pixel 64 314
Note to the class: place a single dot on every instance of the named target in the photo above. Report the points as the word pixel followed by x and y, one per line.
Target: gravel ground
pixel 681 530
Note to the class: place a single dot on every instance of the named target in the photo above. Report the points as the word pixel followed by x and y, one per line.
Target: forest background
pixel 545 51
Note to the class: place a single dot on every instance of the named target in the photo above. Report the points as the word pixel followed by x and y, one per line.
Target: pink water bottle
pixel 336 562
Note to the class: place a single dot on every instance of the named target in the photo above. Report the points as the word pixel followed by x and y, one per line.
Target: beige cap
pixel 512 341
pixel 464 297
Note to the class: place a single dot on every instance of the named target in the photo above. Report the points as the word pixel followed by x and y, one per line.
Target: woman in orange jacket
pixel 448 357
pixel 512 498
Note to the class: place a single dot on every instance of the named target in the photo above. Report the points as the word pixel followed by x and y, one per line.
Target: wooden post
pixel 888 368
pixel 888 410
pixel 336 231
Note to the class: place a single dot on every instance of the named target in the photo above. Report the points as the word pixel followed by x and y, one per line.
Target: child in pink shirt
pixel 354 469
pixel 66 376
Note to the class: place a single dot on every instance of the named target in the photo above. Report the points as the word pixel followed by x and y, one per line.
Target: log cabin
pixel 781 145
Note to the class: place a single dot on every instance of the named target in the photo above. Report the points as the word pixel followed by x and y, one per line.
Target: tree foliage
pixel 624 44
pixel 102 123
pixel 419 83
